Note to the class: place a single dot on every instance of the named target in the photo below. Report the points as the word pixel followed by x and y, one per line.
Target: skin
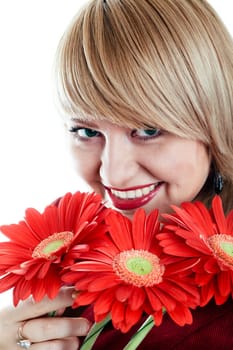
pixel 108 155
pixel 58 333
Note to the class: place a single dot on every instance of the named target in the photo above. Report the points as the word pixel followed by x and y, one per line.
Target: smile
pixel 131 194
pixel 133 198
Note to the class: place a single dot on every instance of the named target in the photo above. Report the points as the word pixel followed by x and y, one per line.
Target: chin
pixel 128 213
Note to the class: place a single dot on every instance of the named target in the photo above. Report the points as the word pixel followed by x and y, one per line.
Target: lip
pixel 132 203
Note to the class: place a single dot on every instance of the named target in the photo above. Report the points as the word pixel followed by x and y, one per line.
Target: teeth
pixel 138 193
pixel 132 194
pixel 146 190
pixel 121 194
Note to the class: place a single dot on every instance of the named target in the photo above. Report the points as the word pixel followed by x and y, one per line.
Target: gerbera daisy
pixel 43 243
pixel 131 275
pixel 195 232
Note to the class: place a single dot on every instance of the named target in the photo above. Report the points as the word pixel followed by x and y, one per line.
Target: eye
pixel 84 133
pixel 146 134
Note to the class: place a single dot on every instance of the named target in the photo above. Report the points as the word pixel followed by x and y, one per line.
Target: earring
pixel 218 183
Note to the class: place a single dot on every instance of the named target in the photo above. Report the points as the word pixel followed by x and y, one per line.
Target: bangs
pixel 132 63
pixel 113 65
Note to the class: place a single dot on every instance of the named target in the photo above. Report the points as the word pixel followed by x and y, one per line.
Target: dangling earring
pixel 218 182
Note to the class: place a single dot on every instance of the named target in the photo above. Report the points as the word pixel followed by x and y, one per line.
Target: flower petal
pixel 118 224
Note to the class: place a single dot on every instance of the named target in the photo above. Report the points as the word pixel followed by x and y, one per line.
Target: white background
pixel 34 164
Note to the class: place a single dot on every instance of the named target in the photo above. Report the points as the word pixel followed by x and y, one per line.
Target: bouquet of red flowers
pixel 123 268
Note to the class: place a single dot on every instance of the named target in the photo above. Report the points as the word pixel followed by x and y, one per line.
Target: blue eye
pixel 84 133
pixel 87 132
pixel 146 133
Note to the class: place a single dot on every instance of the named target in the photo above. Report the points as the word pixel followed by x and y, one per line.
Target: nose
pixel 118 161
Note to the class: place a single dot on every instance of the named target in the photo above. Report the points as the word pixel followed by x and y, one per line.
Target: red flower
pixel 130 275
pixel 207 236
pixel 43 243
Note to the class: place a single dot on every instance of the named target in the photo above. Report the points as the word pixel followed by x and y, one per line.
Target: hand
pixel 58 333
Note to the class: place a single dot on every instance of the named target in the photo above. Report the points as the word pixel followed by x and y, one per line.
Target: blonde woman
pixel 145 89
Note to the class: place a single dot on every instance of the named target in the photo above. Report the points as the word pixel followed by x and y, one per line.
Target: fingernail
pixel 60 312
pixel 74 294
pixel 86 326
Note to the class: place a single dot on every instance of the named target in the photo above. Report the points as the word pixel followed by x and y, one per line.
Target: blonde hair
pixel 159 63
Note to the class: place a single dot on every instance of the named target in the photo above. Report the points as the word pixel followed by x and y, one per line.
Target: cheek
pixel 86 164
pixel 186 161
pixel 191 169
pixel 195 160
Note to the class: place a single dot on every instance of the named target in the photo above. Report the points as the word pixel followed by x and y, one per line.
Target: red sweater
pixel 212 329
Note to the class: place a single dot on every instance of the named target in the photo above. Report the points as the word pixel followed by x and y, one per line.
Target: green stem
pixel 94 332
pixel 142 332
pixel 52 314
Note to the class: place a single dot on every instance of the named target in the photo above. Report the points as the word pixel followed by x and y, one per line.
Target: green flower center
pixel 222 248
pixel 227 247
pixel 138 267
pixel 52 244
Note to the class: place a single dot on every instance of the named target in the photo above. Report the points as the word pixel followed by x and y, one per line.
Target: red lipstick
pixel 132 203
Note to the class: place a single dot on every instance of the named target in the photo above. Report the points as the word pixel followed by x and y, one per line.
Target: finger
pixel 43 329
pixel 30 309
pixel 64 344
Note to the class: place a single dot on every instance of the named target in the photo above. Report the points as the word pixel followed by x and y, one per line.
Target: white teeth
pixel 146 190
pixel 122 194
pixel 132 194
pixel 138 193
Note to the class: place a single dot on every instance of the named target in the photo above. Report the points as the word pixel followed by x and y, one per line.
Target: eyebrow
pixel 84 122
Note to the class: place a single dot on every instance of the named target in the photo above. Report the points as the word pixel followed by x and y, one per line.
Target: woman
pixel 146 91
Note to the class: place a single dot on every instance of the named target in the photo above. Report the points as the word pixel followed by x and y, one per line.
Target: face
pixel 134 168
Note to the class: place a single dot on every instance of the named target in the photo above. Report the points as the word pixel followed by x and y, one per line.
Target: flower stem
pixel 94 332
pixel 52 313
pixel 142 332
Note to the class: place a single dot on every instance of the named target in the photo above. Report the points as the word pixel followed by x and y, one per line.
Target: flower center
pixel 138 267
pixel 51 244
pixel 222 248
